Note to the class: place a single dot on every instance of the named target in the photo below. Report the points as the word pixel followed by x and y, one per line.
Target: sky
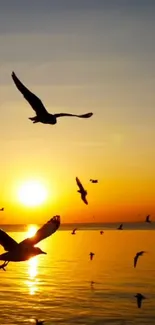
pixel 79 56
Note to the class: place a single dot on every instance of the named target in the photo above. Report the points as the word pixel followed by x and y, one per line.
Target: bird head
pixel 39 251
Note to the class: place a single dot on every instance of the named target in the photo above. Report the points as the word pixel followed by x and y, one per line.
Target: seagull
pixel 81 190
pixel 120 227
pixel 39 322
pixel 137 256
pixel 74 231
pixel 94 181
pixel 26 248
pixel 2 209
pixel 101 232
pixel 92 285
pixel 41 113
pixel 92 282
pixel 91 255
pixel 148 219
pixel 139 297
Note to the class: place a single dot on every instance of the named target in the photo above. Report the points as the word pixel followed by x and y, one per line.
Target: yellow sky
pixel 88 59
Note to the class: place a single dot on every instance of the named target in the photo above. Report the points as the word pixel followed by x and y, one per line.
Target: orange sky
pixel 81 59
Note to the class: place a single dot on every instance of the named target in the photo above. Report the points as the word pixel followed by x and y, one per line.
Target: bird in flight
pixel 101 232
pixel 94 181
pixel 140 298
pixel 82 191
pixel 91 255
pixel 137 256
pixel 74 231
pixel 120 227
pixel 148 219
pixel 39 322
pixel 26 248
pixel 2 209
pixel 41 113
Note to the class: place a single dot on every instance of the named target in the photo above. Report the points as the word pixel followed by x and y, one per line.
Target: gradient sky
pixel 79 56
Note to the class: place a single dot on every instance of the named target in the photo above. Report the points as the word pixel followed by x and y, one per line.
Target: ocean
pixel 57 287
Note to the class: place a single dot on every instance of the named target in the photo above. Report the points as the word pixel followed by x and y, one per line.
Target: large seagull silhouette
pixel 26 249
pixel 41 113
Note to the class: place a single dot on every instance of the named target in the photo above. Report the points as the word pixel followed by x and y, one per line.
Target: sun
pixel 32 193
pixel 32 230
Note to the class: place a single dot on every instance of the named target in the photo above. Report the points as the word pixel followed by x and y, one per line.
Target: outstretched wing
pixel 45 231
pixel 135 260
pixel 84 199
pixel 33 100
pixel 87 115
pixel 79 184
pixel 6 241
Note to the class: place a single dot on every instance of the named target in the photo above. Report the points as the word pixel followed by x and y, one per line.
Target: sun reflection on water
pixel 32 265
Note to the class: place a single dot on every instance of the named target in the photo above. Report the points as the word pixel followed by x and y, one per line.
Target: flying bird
pixel 39 322
pixel 101 232
pixel 137 256
pixel 148 219
pixel 26 248
pixel 41 113
pixel 120 227
pixel 140 298
pixel 94 181
pixel 74 231
pixel 91 255
pixel 2 209
pixel 82 191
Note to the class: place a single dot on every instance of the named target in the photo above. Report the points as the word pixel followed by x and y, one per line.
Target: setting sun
pixel 32 193
pixel 32 230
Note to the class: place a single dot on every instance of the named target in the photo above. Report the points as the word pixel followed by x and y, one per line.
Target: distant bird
pixel 26 248
pixel 74 231
pixel 94 180
pixel 137 256
pixel 92 282
pixel 39 322
pixel 41 113
pixel 101 232
pixel 91 255
pixel 120 227
pixel 2 209
pixel 139 297
pixel 148 219
pixel 82 191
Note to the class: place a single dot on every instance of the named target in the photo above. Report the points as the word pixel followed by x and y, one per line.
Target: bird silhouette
pixel 101 232
pixel 148 219
pixel 140 298
pixel 94 181
pixel 137 256
pixel 2 209
pixel 39 322
pixel 41 113
pixel 91 255
pixel 82 191
pixel 120 227
pixel 74 231
pixel 26 248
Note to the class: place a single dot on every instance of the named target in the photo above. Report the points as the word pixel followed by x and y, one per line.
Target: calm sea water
pixel 56 287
